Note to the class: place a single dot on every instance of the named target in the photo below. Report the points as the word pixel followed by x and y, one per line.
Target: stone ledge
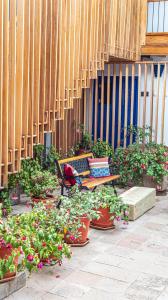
pixel 12 286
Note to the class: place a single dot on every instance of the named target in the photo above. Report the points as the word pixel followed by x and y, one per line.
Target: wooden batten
pixel 50 50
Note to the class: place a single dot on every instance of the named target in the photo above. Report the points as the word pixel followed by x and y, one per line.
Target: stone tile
pixel 49 296
pixel 111 272
pixel 95 294
pixel 85 278
pixel 27 294
pixel 164 295
pixel 146 287
pixel 133 241
pixel 111 260
pixel 70 290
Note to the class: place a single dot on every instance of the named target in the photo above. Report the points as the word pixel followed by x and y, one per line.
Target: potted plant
pixel 109 207
pixel 86 141
pixel 102 149
pixel 6 207
pixel 39 186
pixel 8 267
pixel 145 165
pixel 80 211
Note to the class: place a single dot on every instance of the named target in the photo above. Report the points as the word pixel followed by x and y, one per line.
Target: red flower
pixel 60 247
pixel 24 238
pixel 72 238
pixel 143 166
pixel 9 246
pixel 30 257
pixel 44 244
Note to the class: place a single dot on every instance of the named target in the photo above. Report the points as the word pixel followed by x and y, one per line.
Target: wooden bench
pixel 81 165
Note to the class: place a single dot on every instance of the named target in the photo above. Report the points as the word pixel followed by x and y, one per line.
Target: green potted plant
pixel 102 149
pixel 79 210
pixel 86 141
pixel 39 186
pixel 8 267
pixel 6 207
pixel 109 207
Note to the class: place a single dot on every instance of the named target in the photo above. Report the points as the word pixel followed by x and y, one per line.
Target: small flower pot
pixel 83 231
pixel 105 221
pixel 149 182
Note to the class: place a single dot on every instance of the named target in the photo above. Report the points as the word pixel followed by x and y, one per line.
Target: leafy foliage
pixel 102 149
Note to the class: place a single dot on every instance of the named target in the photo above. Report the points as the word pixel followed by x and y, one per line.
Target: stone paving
pixel 127 263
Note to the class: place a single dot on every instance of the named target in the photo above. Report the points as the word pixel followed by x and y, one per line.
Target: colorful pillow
pixel 99 167
pixel 71 175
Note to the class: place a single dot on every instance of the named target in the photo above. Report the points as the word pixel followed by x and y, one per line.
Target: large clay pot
pixel 105 218
pixel 4 254
pixel 8 277
pixel 83 232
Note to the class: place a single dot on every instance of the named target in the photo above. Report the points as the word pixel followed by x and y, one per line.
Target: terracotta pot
pixel 104 221
pixel 83 232
pixel 48 202
pixel 8 277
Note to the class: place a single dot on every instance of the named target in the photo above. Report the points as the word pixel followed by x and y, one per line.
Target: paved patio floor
pixel 130 263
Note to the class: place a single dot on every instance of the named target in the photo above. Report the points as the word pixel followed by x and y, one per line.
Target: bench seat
pixel 80 163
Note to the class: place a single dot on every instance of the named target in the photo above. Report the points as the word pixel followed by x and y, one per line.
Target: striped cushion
pixel 99 167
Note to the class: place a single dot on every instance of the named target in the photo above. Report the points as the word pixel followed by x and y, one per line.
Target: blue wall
pixel 135 108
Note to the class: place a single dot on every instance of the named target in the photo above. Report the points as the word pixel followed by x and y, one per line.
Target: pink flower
pixel 9 246
pixel 60 247
pixel 165 153
pixel 30 257
pixel 40 265
pixel 118 218
pixel 72 238
pixel 21 251
pixel 125 223
pixel 143 166
pixel 127 213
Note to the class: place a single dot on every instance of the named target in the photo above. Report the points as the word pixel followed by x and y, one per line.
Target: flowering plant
pixel 8 264
pixel 35 235
pixel 135 161
pixel 105 197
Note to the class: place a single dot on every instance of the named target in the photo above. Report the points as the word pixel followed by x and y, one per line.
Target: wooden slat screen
pixel 49 51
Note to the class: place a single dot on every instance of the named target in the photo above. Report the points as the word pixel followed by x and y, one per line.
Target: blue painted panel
pixel 135 108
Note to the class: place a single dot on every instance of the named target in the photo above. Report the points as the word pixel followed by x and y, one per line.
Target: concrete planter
pixel 149 182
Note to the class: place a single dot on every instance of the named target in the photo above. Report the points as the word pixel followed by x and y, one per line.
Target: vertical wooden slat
pixel 19 76
pixel 5 94
pixel 139 93
pixel 132 99
pixel 1 84
pixel 126 105
pixel 163 104
pixel 96 108
pixel 144 102
pixel 26 64
pixel 157 103
pixel 119 104
pixel 113 104
pixel 151 96
pixel 108 101
pixel 12 80
pixel 90 106
pixel 102 106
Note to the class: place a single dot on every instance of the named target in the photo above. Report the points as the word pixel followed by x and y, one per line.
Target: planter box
pixel 149 182
pixel 139 200
pixel 12 286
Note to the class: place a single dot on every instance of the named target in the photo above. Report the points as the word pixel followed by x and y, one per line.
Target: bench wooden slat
pixel 93 182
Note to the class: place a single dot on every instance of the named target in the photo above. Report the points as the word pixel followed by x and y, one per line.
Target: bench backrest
pixel 79 163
